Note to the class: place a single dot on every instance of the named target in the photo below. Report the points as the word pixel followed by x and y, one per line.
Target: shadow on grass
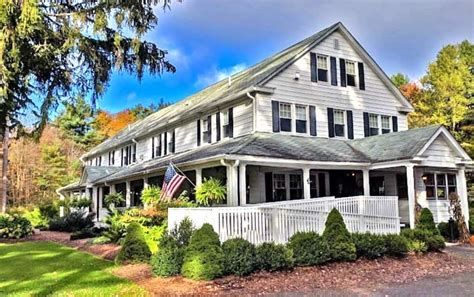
pixel 44 268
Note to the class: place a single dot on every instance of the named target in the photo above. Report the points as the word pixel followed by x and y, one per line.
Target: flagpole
pixel 175 167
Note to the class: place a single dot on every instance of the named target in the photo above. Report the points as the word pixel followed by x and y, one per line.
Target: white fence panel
pixel 278 221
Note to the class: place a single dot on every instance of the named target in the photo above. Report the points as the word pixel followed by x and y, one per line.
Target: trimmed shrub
pixel 417 246
pixel 203 258
pixel 274 257
pixel 169 258
pixel 239 257
pixel 370 246
pixel 426 221
pixel 309 249
pixel 341 246
pixel 445 231
pixel 134 248
pixel 14 226
pixel 396 245
pixel 433 242
pixel 72 222
pixel 82 234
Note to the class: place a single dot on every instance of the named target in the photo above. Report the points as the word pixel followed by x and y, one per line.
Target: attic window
pixel 351 73
pixel 336 44
pixel 322 68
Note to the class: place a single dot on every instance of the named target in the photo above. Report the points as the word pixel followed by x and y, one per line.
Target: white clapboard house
pixel 315 126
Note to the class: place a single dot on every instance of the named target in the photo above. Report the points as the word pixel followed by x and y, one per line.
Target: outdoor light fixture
pixel 297 75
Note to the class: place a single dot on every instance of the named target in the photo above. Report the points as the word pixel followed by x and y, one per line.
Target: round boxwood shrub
pixel 239 257
pixel 14 226
pixel 433 241
pixel 396 245
pixel 426 221
pixel 370 246
pixel 309 249
pixel 134 248
pixel 169 258
pixel 274 257
pixel 341 246
pixel 203 258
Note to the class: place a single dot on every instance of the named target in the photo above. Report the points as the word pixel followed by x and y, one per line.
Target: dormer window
pixel 301 118
pixel 285 117
pixel 339 123
pixel 351 73
pixel 322 68
pixel 225 123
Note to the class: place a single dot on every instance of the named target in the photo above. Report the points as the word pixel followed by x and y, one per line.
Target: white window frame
pixel 389 123
pixel 204 129
pixel 306 117
pixel 344 119
pixel 291 116
pixel 325 58
pixel 435 184
pixel 224 122
pixel 355 73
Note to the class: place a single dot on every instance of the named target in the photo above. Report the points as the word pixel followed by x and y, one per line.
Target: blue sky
pixel 208 40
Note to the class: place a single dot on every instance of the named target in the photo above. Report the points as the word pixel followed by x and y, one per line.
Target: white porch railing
pixel 278 221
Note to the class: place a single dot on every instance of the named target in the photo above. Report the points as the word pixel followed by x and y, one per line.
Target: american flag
pixel 171 183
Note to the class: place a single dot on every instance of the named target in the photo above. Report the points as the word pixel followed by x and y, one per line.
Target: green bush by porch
pixel 240 258
pixel 134 249
pixel 341 246
pixel 309 249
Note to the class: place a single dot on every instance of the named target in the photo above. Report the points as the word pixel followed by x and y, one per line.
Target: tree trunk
pixel 6 137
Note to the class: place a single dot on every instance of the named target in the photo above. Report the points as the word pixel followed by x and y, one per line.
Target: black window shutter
pixel 276 116
pixel 361 76
pixel 342 66
pixel 333 71
pixel 314 67
pixel 218 126
pixel 198 132
pixel 312 120
pixel 231 122
pixel 330 122
pixel 395 124
pixel 165 140
pixel 173 142
pixel 350 125
pixel 366 124
pixel 159 145
pixel 153 147
pixel 209 129
pixel 121 157
pixel 268 186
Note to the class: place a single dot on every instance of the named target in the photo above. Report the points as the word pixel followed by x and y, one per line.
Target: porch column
pixel 366 178
pixel 198 176
pixel 145 183
pixel 243 184
pixel 462 192
pixel 128 194
pixel 232 185
pixel 411 195
pixel 112 188
pixel 306 184
pixel 61 208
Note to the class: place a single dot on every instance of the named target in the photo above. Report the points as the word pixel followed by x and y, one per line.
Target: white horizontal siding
pixel 376 98
pixel 186 136
pixel 243 119
pixel 440 152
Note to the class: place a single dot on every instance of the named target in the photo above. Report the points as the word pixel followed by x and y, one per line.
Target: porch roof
pixel 388 147
pixel 72 186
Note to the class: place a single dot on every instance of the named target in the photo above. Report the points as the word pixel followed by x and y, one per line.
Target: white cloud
pixel 131 96
pixel 216 74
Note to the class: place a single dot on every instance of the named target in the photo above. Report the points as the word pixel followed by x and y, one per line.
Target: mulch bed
pixel 361 276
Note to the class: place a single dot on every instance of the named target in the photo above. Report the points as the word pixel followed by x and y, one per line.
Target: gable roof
pixel 403 145
pixel 252 79
pixel 94 173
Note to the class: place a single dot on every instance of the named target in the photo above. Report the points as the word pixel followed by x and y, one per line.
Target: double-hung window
pixel 373 124
pixel 111 158
pixel 301 119
pixel 296 188
pixel 156 146
pixel 279 187
pixel 351 73
pixel 205 132
pixel 439 185
pixel 171 142
pixel 339 123
pixel 322 68
pixel 385 124
pixel 285 117
pixel 225 123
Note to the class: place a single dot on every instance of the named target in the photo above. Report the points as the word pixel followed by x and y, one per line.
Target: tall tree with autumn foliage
pixel 51 51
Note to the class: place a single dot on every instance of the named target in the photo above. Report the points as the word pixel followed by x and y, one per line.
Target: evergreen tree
pixel 399 79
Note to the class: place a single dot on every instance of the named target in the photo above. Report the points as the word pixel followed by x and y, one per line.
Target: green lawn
pixel 44 268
